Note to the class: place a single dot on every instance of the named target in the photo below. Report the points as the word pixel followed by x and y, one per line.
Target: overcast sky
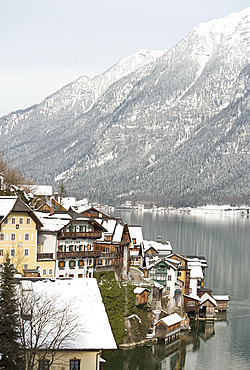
pixel 47 43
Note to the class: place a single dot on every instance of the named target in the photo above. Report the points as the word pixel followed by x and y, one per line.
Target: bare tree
pixel 46 325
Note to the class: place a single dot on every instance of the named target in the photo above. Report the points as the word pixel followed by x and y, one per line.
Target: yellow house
pixel 18 234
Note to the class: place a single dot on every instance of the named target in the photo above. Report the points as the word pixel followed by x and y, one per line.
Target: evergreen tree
pixel 9 337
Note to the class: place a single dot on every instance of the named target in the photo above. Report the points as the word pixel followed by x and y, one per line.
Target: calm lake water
pixel 225 242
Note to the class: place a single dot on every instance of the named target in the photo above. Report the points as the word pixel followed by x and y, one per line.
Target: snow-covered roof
pixel 42 190
pixel 136 233
pixel 65 216
pixel 6 205
pixel 161 248
pixel 196 272
pixel 51 223
pixel 221 297
pixel 139 290
pixel 171 319
pixel 192 296
pixel 207 297
pixel 84 300
pixel 117 237
pixel 109 225
pixel 159 286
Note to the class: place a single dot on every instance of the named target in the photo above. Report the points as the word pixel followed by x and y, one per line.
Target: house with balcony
pixel 76 255
pixel 165 273
pixel 135 249
pixel 114 247
pixel 19 227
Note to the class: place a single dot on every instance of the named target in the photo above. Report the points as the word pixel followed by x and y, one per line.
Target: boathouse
pixel 222 302
pixel 207 307
pixel 191 305
pixel 168 328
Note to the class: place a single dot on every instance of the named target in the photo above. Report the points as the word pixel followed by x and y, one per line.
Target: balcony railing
pixel 44 256
pixel 81 234
pixel 78 254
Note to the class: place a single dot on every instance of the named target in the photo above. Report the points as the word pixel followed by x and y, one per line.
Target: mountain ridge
pixel 134 130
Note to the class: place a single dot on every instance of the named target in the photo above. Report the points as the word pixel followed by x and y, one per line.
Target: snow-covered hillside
pixel 171 123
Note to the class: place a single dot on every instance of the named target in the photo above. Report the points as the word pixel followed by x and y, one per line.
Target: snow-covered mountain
pixel 166 124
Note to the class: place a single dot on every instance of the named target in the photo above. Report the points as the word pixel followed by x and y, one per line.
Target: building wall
pixel 47 242
pixel 89 360
pixel 20 240
pixel 46 268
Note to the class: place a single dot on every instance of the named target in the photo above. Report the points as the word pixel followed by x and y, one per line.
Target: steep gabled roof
pixel 207 297
pixel 15 204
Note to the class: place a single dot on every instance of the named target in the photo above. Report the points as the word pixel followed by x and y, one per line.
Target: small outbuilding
pixel 222 302
pixel 168 328
pixel 141 296
pixel 207 307
pixel 191 305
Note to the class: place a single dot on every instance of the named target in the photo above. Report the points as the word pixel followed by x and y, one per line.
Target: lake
pixel 225 242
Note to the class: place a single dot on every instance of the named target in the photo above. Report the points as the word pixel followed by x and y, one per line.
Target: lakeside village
pixel 79 252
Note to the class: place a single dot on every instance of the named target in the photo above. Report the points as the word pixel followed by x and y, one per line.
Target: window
pixel 44 271
pixel 12 237
pixel 169 277
pixel 72 264
pixel 1 252
pixel 25 266
pixel 28 221
pixel 50 272
pixel 71 275
pixel 60 248
pixel 6 221
pixel 12 252
pixel 80 276
pixel 190 303
pixel 61 264
pixel 13 220
pixel 168 288
pixel 43 365
pixel 26 237
pixel 26 252
pixel 80 263
pixel 21 221
pixel 179 273
pixel 2 237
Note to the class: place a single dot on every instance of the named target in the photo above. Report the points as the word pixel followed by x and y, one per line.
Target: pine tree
pixel 9 337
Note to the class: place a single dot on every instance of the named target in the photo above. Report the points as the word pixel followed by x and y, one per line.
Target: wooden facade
pixel 168 328
pixel 191 305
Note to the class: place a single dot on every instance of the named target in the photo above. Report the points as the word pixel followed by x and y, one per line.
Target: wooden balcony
pixel 81 234
pixel 44 256
pixel 78 254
